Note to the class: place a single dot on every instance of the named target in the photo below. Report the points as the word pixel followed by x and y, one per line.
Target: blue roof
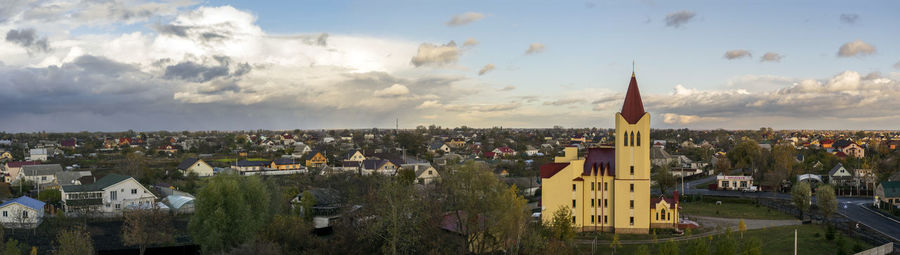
pixel 35 204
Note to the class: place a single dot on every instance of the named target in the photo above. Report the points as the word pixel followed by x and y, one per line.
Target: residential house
pixel 457 143
pixel 350 166
pixel 504 151
pixel 379 166
pixel 12 169
pixel 109 194
pixel 851 149
pixel 839 175
pixel 827 143
pixel 251 165
pixel 327 207
pixel 168 148
pixel 531 151
pixel 68 143
pixel 38 154
pixel 196 166
pixel 356 155
pixel 865 178
pixel 72 177
pixel 286 164
pixel 21 212
pixel 888 192
pixel 439 146
pixel 424 172
pixel 316 159
pixel 43 175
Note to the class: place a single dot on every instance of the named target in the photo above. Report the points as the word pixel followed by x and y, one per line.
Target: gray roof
pixel 187 163
pixel 35 170
pixel 835 169
pixel 99 185
pixel 69 177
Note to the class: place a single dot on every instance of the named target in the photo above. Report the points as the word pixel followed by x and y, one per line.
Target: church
pixel 608 187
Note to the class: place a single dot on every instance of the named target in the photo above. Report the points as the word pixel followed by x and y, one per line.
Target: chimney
pixel 676 197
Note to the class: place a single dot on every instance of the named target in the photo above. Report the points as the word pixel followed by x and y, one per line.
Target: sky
pixel 96 65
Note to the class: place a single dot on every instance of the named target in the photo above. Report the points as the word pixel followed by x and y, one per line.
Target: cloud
pixel 565 101
pixel 771 57
pixel 508 88
pixel 679 18
pixel 430 104
pixel 671 118
pixel 736 54
pixel 28 38
pixel 856 48
pixel 211 68
pixel 436 55
pixel 482 107
pixel 395 90
pixel 849 18
pixel 897 65
pixel 464 18
pixel 535 48
pixel 485 69
pixel 471 42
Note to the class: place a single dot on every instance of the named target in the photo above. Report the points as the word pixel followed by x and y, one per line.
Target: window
pixel 632 170
pixel 605 204
pixel 657 216
pixel 573 187
pixel 605 186
pixel 118 206
pixel 4 213
pixel 632 204
pixel 133 191
pixel 112 195
pixel 25 214
pixel 663 214
pixel 631 221
pixel 573 219
pixel 605 219
pixel 625 139
pixel 573 203
pixel 632 138
pixel 592 186
pixel 592 219
pixel 429 172
pixel 632 187
pixel 43 178
pixel 592 202
pixel 639 138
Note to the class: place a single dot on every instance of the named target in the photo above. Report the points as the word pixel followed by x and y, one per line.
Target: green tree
pixel 228 211
pixel 698 247
pixel 561 226
pixel 746 154
pixel 74 241
pixel 725 244
pixel 291 232
pixel 616 243
pixel 664 179
pixel 826 200
pixel 406 176
pixel 308 201
pixel 668 248
pixel 13 247
pixel 398 212
pixel 742 227
pixel 50 196
pixel 800 194
pixel 642 250
pixel 752 246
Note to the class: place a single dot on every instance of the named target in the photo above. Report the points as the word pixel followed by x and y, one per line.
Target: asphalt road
pixel 854 208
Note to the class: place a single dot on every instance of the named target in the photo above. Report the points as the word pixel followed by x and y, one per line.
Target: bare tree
pixel 74 241
pixel 147 227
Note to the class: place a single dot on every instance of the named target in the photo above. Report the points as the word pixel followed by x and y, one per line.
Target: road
pixel 853 208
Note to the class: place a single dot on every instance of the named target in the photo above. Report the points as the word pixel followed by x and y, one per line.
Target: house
pixel 504 151
pixel 851 149
pixel 379 166
pixel 286 164
pixel 68 143
pixel 439 146
pixel 531 151
pixel 72 177
pixel 301 149
pixel 316 159
pixel 5 155
pixel 734 182
pixel 38 154
pixel 251 165
pixel 109 194
pixel 839 175
pixel 827 143
pixel 889 193
pixel 424 172
pixel 663 211
pixel 195 165
pixel 865 177
pixel 350 166
pixel 21 212
pixel 457 143
pixel 168 148
pixel 44 175
pixel 327 207
pixel 356 155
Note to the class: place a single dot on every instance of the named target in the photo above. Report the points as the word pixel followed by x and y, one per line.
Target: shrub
pixel 829 232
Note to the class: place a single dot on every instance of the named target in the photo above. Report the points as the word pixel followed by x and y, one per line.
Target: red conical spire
pixel 633 109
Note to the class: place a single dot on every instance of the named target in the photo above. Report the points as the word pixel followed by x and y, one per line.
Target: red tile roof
pixel 633 108
pixel 17 164
pixel 550 169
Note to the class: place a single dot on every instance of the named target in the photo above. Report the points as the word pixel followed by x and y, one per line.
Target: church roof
pixel 633 108
pixel 601 159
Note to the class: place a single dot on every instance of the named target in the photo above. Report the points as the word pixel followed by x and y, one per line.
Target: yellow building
pixel 608 189
pixel 315 159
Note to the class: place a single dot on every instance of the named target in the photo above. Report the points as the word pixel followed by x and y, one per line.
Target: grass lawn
pixel 778 240
pixel 731 209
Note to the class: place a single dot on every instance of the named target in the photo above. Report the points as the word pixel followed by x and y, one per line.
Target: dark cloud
pixel 679 18
pixel 849 18
pixel 736 54
pixel 436 55
pixel 322 40
pixel 771 57
pixel 564 101
pixel 28 38
pixel 168 29
pixel 198 72
pixel 856 48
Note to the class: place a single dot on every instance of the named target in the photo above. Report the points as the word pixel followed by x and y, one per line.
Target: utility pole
pixel 795 241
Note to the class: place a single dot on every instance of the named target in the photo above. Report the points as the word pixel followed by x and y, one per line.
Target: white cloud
pixel 395 90
pixel 565 101
pixel 471 42
pixel 671 118
pixel 436 55
pixel 856 48
pixel 508 88
pixel 430 104
pixel 485 69
pixel 736 54
pixel 771 57
pixel 464 18
pixel 679 18
pixel 535 48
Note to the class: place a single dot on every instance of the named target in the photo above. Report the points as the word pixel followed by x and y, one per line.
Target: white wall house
pixel 40 174
pixel 39 154
pixel 108 195
pixel 21 212
pixel 197 166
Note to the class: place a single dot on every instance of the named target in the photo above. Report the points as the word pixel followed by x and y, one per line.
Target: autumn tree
pixel 399 211
pixel 146 227
pixel 664 179
pixel 800 194
pixel 742 227
pixel 826 200
pixel 228 211
pixel 746 154
pixel 561 226
pixel 74 241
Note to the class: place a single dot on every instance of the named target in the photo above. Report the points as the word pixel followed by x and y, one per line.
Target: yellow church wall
pixel 637 156
pixel 662 208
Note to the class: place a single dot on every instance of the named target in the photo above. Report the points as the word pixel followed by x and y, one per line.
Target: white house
pixel 39 154
pixel 839 175
pixel 108 195
pixel 356 155
pixel 21 212
pixel 195 165
pixel 424 172
pixel 40 174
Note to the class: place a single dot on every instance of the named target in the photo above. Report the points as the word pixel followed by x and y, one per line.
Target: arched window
pixel 632 138
pixel 639 138
pixel 663 214
pixel 625 140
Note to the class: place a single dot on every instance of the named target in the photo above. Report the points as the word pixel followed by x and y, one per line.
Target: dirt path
pixel 705 222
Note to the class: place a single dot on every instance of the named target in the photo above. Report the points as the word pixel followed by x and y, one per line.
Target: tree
pixel 145 227
pixel 826 200
pixel 800 194
pixel 668 248
pixel 406 176
pixel 227 211
pixel 13 247
pixel 746 154
pixel 74 241
pixel 752 246
pixel 785 156
pixel 664 179
pixel 742 227
pixel 726 244
pixel 489 214
pixel 698 247
pixel 308 201
pixel 291 232
pixel 642 250
pixel 398 212
pixel 50 196
pixel 561 227
pixel 615 243
pixel 723 164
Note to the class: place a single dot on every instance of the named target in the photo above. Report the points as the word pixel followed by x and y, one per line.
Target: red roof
pixel 505 150
pixel 654 201
pixel 550 169
pixel 601 160
pixel 18 164
pixel 489 154
pixel 633 108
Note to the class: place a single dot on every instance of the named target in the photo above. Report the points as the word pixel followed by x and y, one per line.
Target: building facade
pixel 608 189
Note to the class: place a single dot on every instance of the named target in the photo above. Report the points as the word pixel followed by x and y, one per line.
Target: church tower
pixel 632 178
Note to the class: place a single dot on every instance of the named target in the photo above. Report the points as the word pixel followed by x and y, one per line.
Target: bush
pixel 829 232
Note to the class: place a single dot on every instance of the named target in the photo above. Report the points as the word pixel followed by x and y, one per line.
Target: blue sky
pixel 262 63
